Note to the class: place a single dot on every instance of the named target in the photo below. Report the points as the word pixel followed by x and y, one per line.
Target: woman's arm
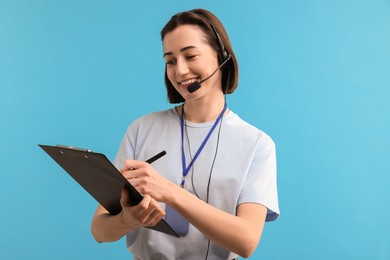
pixel 244 230
pixel 239 234
pixel 107 228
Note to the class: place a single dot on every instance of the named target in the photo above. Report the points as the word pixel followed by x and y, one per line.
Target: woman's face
pixel 188 59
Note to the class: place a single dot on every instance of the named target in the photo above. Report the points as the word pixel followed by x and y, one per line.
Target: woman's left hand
pixel 146 180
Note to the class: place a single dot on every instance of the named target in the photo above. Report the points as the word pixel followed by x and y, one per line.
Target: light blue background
pixel 315 75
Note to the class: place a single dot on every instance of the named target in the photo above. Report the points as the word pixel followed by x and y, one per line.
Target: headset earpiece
pixel 223 53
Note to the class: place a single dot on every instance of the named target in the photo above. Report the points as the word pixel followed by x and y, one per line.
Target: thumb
pixel 125 200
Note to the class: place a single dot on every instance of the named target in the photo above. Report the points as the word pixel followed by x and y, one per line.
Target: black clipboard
pixel 99 177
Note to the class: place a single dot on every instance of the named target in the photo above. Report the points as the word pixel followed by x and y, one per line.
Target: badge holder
pixel 176 221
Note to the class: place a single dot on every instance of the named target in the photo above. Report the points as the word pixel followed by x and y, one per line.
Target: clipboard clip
pixel 74 148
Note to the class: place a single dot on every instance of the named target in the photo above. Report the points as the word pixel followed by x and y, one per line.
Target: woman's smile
pixel 187 82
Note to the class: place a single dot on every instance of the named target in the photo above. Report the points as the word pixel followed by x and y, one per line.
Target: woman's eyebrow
pixel 181 50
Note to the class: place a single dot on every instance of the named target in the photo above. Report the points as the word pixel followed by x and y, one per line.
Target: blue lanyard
pixel 186 170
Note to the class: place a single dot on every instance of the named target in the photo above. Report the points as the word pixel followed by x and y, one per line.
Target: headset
pixel 223 57
pixel 223 53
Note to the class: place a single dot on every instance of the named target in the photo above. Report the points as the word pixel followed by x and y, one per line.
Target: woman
pixel 219 173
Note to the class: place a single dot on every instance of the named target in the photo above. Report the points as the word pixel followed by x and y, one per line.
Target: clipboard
pixel 99 177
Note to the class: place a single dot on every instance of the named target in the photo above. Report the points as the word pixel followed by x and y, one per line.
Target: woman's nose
pixel 181 67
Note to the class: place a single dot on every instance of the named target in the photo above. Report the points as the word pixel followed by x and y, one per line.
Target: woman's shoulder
pixel 157 117
pixel 247 130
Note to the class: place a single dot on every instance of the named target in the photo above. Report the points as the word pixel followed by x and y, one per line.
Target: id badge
pixel 176 221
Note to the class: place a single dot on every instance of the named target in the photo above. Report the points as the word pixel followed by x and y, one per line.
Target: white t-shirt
pixel 244 171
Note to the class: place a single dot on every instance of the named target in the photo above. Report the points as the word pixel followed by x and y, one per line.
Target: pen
pixel 156 157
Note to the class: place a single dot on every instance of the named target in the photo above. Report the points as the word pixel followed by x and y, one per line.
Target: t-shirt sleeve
pixel 260 184
pixel 126 149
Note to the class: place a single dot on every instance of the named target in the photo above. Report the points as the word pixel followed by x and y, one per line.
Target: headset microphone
pixel 193 87
pixel 196 85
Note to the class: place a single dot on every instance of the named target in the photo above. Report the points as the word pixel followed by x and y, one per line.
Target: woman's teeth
pixel 187 82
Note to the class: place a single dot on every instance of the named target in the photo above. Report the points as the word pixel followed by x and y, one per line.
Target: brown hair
pixel 209 23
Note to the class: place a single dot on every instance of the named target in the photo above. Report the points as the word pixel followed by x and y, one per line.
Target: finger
pixel 156 216
pixel 132 173
pixel 149 205
pixel 125 200
pixel 122 170
pixel 155 212
pixel 144 209
pixel 144 204
pixel 137 184
pixel 133 164
pixel 137 177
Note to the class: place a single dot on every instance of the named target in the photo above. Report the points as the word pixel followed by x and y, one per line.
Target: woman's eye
pixel 170 62
pixel 191 57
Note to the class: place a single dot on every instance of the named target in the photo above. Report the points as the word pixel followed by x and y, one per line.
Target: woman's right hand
pixel 147 213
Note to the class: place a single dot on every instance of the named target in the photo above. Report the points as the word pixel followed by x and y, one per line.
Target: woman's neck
pixel 202 110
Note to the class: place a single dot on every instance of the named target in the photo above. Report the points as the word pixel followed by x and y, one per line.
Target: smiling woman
pixel 188 63
pixel 211 33
pixel 227 174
